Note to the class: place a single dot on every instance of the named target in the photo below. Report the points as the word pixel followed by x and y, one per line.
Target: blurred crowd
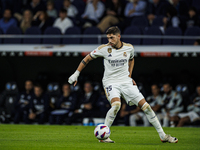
pixel 102 14
pixel 67 104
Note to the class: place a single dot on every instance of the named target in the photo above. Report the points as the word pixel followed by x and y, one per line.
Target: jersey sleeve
pixel 98 52
pixel 132 53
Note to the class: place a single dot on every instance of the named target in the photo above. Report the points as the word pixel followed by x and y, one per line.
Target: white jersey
pixel 115 62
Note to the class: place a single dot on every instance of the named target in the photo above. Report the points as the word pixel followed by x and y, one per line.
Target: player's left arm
pixel 131 65
pixel 130 69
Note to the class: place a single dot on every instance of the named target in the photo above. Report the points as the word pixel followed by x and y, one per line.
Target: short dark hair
pixel 38 85
pixel 63 10
pixel 113 30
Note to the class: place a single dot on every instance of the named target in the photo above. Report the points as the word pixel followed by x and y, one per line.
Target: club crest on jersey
pixel 109 50
pixel 125 55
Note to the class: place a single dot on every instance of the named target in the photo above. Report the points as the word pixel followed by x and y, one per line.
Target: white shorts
pixel 126 90
pixel 192 115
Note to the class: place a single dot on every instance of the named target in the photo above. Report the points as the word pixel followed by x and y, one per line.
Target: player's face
pixel 167 88
pixel 38 91
pixel 155 90
pixel 113 40
pixel 28 85
pixel 87 87
pixel 66 89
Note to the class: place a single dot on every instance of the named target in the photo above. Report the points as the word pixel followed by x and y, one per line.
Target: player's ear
pixel 119 36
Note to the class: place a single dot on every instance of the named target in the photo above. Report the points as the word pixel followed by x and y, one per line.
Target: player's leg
pixel 112 113
pixel 151 116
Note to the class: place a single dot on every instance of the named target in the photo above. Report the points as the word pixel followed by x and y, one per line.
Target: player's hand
pixel 74 78
pixel 134 83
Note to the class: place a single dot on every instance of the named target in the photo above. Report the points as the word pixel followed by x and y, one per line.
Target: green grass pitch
pixel 47 137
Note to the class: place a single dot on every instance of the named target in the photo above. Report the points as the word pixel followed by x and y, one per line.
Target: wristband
pixel 77 73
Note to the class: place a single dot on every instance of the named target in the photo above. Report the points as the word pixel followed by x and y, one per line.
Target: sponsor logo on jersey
pixel 117 63
pixel 109 55
pixel 125 55
pixel 109 50
pixel 94 51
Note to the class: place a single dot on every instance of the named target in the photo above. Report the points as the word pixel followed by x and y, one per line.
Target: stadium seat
pixel 91 31
pixel 14 31
pixel 152 31
pixel 192 31
pixel 133 30
pixel 52 31
pixel 72 31
pixel 7 101
pixel 32 31
pixel 184 91
pixel 172 31
pixel 158 21
pixel 140 22
pixel 53 91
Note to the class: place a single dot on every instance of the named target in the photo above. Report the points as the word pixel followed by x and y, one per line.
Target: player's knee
pixel 146 107
pixel 116 105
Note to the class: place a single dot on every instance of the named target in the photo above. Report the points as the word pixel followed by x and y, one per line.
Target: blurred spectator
pixel 42 20
pixel 193 113
pixel 87 103
pixel 71 9
pixel 134 8
pixel 92 14
pixel 23 102
pixel 155 101
pixel 180 6
pixel 51 11
pixel 7 21
pixel 130 114
pixel 114 14
pixel 39 106
pixel 35 6
pixel 7 102
pixel 197 42
pixel 172 103
pixel 103 105
pixel 66 106
pixel 171 18
pixel 63 22
pixel 156 8
pixel 193 19
pixel 25 20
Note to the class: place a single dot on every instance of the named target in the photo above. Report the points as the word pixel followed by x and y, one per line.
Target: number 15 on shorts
pixel 108 89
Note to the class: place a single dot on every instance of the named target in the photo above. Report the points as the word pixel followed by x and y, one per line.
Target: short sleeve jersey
pixel 115 62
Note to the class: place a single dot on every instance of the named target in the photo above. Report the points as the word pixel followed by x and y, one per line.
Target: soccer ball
pixel 102 132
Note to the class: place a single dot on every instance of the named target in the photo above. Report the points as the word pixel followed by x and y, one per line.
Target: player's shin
pixel 112 113
pixel 151 116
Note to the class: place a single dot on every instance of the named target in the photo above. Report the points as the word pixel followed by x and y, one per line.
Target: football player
pixel 118 63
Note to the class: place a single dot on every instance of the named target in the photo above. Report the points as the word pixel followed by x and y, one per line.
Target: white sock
pixel 112 113
pixel 151 116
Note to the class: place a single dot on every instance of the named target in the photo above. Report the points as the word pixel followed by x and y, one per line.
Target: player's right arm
pixel 73 78
pixel 93 55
